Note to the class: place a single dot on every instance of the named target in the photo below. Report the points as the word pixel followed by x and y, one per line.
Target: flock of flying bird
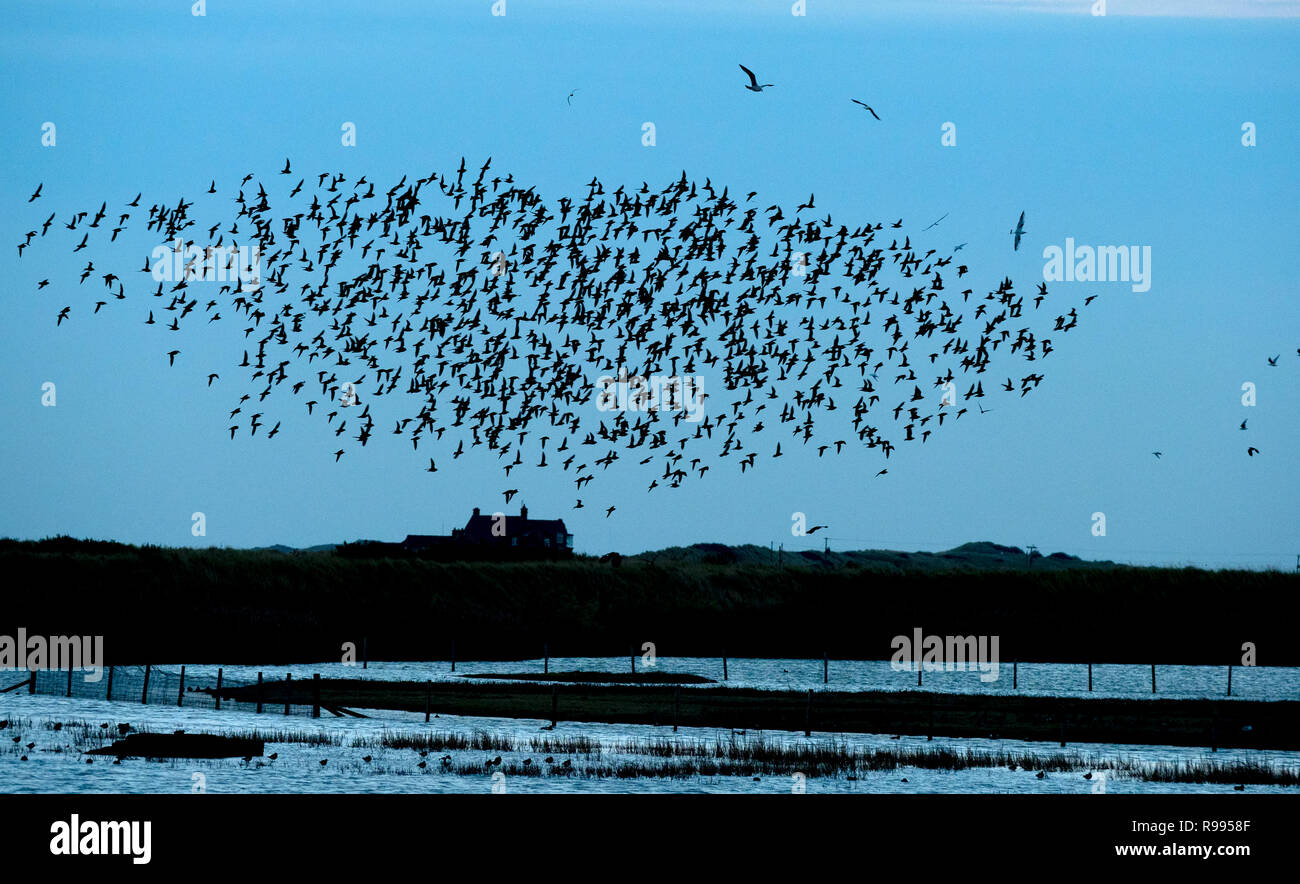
pixel 497 343
pixel 492 308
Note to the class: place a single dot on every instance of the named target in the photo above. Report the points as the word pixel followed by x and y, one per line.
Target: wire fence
pixel 156 686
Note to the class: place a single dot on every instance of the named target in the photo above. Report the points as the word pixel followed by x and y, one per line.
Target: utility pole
pixel 1029 555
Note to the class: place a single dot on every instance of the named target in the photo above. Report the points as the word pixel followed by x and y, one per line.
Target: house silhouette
pixel 489 535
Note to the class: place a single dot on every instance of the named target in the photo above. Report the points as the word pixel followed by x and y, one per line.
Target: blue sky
pixel 1122 130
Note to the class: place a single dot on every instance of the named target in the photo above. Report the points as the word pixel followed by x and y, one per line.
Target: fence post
pixel 555 705
pixel 428 698
pixel 1229 679
pixel 1015 675
pixel 365 659
pixel 920 668
pixel 677 696
pixel 219 671
pixel 259 693
pixel 724 664
pixel 180 692
pixel 826 668
pixel 807 716
pixel 546 658
pixel 108 693
pixel 69 678
pixel 453 655
pixel 632 658
pixel 288 685
pixel 315 696
pixel 1090 677
pixel 144 692
pixel 31 685
pixel 1153 678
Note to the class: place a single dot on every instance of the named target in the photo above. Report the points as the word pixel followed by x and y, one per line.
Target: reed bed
pixel 754 755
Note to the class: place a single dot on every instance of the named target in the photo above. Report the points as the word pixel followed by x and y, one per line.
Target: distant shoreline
pixel 240 606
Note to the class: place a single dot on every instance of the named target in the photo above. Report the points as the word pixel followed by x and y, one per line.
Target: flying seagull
pixel 1019 231
pixel 867 106
pixel 1157 453
pixel 569 100
pixel 1252 451
pixel 1273 360
pixel 753 81
pixel 935 224
pixel 1243 424
pixel 37 193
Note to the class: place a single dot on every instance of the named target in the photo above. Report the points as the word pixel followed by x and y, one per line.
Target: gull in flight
pixel 1019 231
pixel 867 106
pixel 754 85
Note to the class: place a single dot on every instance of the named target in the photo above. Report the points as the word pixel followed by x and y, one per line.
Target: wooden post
pixel 1015 674
pixel 365 657
pixel 218 694
pixel 677 696
pixel 108 694
pixel 1089 677
pixel 144 692
pixel 428 698
pixel 1229 679
pixel 288 683
pixel 453 655
pixel 259 693
pixel 919 669
pixel 632 657
pixel 546 658
pixel 315 697
pixel 826 668
pixel 1153 678
pixel 807 716
pixel 724 664
pixel 31 685
pixel 69 678
pixel 180 693
pixel 555 705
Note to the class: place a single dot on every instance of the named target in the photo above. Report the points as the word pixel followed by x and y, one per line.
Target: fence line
pixel 152 685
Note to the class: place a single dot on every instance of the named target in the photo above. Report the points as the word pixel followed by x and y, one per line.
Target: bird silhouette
pixel 869 109
pixel 754 85
pixel 1018 231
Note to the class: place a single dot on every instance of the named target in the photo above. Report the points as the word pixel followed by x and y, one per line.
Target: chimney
pixel 476 511
pixel 523 511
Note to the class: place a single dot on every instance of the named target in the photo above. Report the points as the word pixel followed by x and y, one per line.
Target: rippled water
pixel 297 768
pixel 1052 679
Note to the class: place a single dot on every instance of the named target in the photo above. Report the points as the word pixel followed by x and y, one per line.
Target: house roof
pixel 515 526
